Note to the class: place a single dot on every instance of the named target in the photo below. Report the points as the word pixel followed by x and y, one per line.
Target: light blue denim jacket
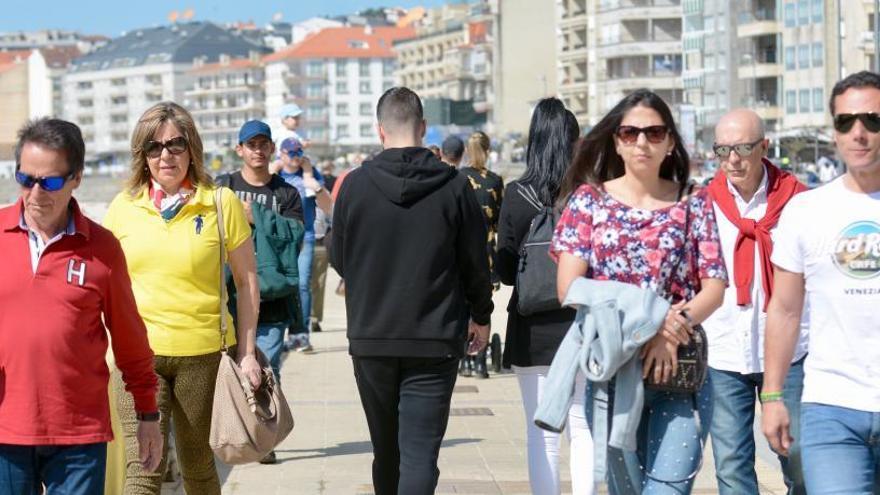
pixel 613 321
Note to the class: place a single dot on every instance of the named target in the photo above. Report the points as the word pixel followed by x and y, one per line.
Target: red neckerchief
pixel 781 186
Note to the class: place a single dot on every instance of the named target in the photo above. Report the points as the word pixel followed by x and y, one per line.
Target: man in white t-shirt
pixel 827 248
pixel 748 194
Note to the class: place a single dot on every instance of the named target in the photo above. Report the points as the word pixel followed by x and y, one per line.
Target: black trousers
pixel 406 401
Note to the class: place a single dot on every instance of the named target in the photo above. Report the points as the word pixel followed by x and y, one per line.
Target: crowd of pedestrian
pixel 648 313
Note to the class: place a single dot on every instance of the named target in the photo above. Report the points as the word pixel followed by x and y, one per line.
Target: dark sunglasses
pixel 843 122
pixel 50 184
pixel 629 134
pixel 175 146
pixel 296 153
pixel 742 149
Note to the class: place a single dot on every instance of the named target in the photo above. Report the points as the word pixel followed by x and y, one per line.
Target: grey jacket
pixel 613 321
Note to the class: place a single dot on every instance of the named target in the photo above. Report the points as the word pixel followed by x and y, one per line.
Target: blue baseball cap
pixel 292 146
pixel 253 128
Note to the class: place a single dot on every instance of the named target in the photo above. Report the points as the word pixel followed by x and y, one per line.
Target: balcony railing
pixel 766 14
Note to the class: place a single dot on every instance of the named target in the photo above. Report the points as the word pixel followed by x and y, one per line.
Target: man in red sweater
pixel 60 274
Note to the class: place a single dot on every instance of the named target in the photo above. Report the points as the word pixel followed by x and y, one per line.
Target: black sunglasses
pixel 175 146
pixel 50 184
pixel 742 149
pixel 629 134
pixel 843 122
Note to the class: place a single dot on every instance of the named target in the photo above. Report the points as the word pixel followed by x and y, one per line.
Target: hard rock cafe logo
pixel 857 250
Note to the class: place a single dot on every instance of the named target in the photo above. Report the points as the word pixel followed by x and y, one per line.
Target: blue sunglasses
pixel 50 184
pixel 296 153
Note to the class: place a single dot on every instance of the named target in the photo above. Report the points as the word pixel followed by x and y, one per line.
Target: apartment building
pixel 710 74
pixel 224 95
pixel 527 71
pixel 451 57
pixel 573 58
pixel 107 90
pixel 30 87
pixel 336 76
pixel 23 40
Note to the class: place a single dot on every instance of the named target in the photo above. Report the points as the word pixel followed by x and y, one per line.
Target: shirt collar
pixel 76 223
pixel 760 194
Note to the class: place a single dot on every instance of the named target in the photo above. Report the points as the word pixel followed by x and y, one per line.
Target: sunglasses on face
pixel 175 146
pixel 50 184
pixel 742 149
pixel 629 134
pixel 843 122
pixel 296 153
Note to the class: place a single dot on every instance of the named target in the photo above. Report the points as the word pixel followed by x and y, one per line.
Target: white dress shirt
pixel 736 333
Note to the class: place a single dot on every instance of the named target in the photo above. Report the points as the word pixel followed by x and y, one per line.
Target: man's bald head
pixel 740 145
pixel 742 122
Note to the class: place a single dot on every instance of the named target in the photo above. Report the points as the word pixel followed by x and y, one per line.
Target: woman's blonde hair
pixel 148 124
pixel 478 150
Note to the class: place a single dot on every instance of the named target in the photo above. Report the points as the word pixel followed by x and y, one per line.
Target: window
pixel 342 88
pixel 117 82
pixel 364 68
pixel 315 90
pixel 790 15
pixel 388 67
pixel 365 87
pixel 341 131
pixel 341 67
pixel 818 53
pixel 790 58
pixel 366 130
pixel 818 100
pixel 818 10
pixel 804 101
pixel 86 103
pixel 791 101
pixel 154 97
pixel 119 118
pixel 154 79
pixel 804 56
pixel 366 110
pixel 803 12
pixel 386 85
pixel 315 68
pixel 342 109
pixel 84 85
pixel 316 111
pixel 86 120
pixel 119 136
pixel 119 100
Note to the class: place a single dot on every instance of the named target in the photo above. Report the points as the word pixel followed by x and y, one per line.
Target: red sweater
pixel 53 343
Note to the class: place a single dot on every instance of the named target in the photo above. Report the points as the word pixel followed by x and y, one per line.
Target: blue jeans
pixel 669 445
pixel 65 470
pixel 270 340
pixel 841 450
pixel 732 429
pixel 304 263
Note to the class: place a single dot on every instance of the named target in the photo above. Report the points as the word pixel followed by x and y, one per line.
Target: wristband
pixel 148 416
pixel 770 396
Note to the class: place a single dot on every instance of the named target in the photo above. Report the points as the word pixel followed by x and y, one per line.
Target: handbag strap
pixel 221 228
pixel 694 405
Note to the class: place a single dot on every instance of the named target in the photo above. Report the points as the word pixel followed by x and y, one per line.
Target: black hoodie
pixel 410 241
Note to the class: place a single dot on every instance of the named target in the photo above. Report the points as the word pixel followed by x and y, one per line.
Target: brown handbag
pixel 246 424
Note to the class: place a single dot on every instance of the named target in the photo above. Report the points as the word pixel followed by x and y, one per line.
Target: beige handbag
pixel 246 424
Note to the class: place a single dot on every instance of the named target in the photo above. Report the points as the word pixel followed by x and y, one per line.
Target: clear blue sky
pixel 111 17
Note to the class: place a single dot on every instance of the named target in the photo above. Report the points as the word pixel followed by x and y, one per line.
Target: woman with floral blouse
pixel 631 218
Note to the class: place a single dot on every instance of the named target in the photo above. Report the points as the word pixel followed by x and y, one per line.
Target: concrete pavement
pixel 329 450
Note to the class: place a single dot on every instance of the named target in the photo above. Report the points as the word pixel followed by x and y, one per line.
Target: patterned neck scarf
pixel 170 204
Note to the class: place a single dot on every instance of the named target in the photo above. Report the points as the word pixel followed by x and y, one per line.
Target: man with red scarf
pixel 749 194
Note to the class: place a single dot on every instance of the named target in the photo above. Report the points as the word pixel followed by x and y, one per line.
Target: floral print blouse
pixel 642 247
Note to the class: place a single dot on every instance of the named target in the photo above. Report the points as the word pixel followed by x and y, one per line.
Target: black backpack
pixel 536 274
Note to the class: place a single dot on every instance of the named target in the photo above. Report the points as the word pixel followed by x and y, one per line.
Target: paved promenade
pixel 329 449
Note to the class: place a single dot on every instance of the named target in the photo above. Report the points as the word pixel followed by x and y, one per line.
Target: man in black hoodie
pixel 410 241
